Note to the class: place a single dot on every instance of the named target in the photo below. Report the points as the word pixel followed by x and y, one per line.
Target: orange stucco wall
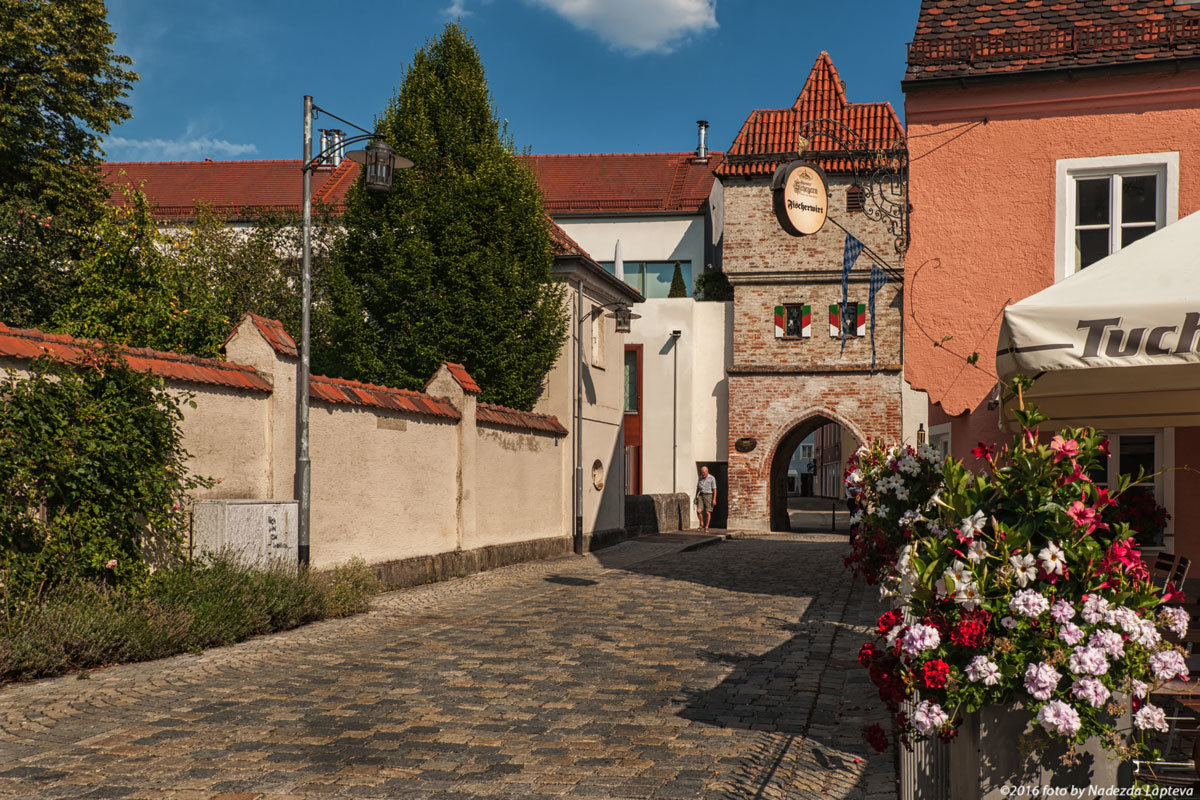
pixel 984 203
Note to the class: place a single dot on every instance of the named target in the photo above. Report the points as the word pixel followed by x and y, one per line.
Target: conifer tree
pixel 678 287
pixel 454 263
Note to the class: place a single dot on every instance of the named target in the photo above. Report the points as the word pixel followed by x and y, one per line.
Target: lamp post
pixel 379 162
pixel 623 314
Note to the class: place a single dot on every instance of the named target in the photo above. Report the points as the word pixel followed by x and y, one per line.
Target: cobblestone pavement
pixel 726 672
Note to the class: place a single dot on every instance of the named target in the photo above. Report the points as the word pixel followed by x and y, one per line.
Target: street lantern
pixel 379 166
pixel 623 316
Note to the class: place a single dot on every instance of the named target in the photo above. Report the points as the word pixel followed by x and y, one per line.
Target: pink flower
pixel 1087 518
pixel 1077 474
pixel 1064 448
pixel 111 564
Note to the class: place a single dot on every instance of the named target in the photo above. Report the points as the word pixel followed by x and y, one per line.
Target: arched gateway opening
pixel 806 472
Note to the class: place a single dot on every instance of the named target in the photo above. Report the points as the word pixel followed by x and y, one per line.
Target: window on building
pixel 794 320
pixel 1108 203
pixel 855 199
pixel 653 278
pixel 631 381
pixel 850 325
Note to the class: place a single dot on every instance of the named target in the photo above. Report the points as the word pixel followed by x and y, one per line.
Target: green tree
pixel 712 284
pixel 678 287
pixel 453 263
pixel 61 89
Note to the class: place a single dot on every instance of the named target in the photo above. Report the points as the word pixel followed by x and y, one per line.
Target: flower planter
pixel 986 761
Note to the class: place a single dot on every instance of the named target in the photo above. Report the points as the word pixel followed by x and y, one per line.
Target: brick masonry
pixel 782 389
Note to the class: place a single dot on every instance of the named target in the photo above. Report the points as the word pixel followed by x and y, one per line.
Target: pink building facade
pixel 1040 141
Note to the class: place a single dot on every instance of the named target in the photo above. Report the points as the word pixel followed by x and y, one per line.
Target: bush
pixel 713 285
pixel 196 604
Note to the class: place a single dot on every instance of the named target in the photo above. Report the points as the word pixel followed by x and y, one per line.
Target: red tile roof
pixel 32 343
pixel 499 416
pixel 460 374
pixel 769 137
pixel 229 187
pixel 271 330
pixel 624 183
pixel 972 37
pixel 342 391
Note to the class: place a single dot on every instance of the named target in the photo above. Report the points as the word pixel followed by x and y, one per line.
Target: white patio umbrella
pixel 1116 345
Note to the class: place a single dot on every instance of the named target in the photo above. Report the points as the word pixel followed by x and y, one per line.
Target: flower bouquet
pixel 1011 587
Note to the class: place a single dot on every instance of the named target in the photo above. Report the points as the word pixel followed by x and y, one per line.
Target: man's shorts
pixel 704 502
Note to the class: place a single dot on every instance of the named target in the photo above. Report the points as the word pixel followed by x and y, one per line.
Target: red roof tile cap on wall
pixel 460 374
pixel 347 392
pixel 273 331
pixel 32 343
pixel 500 416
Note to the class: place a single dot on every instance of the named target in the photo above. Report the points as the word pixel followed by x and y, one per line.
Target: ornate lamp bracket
pixel 881 172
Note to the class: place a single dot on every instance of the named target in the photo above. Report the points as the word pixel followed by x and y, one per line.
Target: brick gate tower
pixel 791 373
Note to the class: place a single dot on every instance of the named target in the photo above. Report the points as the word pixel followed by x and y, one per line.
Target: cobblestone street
pixel 725 672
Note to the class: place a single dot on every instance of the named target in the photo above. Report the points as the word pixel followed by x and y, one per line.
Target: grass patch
pixel 198 604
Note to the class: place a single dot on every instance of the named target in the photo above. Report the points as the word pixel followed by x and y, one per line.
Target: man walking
pixel 706 498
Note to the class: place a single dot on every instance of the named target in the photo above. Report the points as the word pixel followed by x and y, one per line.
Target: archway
pixel 831 443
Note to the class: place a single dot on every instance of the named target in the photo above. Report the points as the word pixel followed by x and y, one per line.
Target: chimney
pixel 702 147
pixel 324 144
pixel 332 139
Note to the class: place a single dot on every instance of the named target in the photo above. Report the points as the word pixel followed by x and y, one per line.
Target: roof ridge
pixel 204 162
pixel 688 153
pixel 38 335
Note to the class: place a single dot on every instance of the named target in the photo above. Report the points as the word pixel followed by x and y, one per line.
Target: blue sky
pixel 570 76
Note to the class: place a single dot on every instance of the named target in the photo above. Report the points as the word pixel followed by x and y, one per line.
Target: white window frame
pixel 1068 170
pixel 939 434
pixel 1164 461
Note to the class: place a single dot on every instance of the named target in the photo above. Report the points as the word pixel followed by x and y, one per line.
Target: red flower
pixel 888 621
pixel 934 673
pixel 1064 448
pixel 875 737
pixel 867 654
pixel 968 633
pixel 983 451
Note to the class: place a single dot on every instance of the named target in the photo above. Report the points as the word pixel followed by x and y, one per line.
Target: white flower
pixel 976 551
pixel 1151 716
pixel 958 573
pixel 983 669
pixel 940 585
pixel 1140 688
pixel 937 530
pixel 1176 619
pixel 1168 664
pixel 1125 618
pixel 1009 623
pixel 968 596
pixel 882 511
pixel 1070 633
pixel 1029 602
pixel 855 477
pixel 928 716
pixel 1062 611
pixel 856 518
pixel 1088 661
pixel 919 638
pixel 1058 717
pixel 1026 568
pixel 973 524
pixel 1052 559
pixel 1108 641
pixel 1146 634
pixel 1094 609
pixel 901 493
pixel 894 634
pixel 1041 680
pixel 1091 690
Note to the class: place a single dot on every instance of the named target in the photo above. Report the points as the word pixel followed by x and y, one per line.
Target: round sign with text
pixel 801 198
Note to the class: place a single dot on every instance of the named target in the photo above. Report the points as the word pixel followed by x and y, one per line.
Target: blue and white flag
pixel 850 254
pixel 878 279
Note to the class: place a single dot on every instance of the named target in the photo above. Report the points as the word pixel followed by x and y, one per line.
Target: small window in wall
pixel 855 199
pixel 653 278
pixel 849 320
pixel 793 321
pixel 598 325
pixel 632 390
pixel 939 438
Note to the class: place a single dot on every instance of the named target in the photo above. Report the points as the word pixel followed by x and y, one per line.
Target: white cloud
pixel 639 26
pixel 118 148
pixel 456 9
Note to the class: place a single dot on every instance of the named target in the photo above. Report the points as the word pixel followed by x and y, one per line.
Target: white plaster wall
pixel 650 238
pixel 226 438
pixel 915 405
pixel 695 400
pixel 518 491
pixel 379 493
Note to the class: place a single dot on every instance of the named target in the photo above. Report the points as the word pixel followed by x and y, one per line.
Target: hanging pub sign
pixel 801 198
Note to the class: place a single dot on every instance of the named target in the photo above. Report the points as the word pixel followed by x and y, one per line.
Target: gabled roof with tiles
pixel 624 183
pixel 461 377
pixel 230 188
pixel 769 136
pixel 502 417
pixel 960 38
pixel 271 330
pixel 32 343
